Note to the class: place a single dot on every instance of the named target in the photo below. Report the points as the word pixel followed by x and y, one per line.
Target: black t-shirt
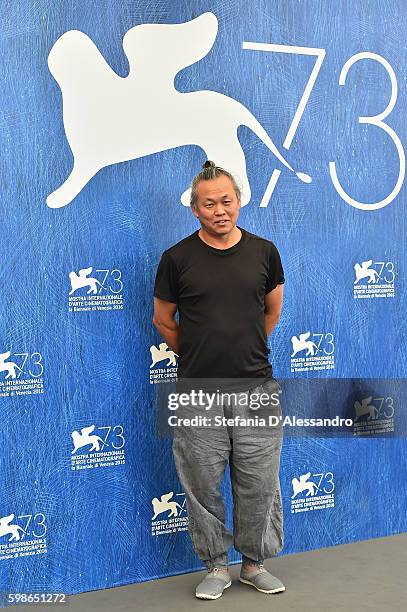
pixel 220 297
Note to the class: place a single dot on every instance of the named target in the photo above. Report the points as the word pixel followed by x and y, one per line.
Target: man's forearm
pixel 271 321
pixel 170 334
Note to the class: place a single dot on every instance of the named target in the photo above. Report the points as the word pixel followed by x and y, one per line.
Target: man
pixel 227 285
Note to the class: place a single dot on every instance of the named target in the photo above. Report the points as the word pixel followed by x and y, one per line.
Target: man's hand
pixel 165 323
pixel 273 302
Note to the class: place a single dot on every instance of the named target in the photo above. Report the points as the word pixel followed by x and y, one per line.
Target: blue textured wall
pixel 95 365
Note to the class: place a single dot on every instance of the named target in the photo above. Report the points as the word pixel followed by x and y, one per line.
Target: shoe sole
pixel 204 596
pixel 277 590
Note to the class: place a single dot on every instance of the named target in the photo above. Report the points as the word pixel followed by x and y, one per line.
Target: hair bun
pixel 209 164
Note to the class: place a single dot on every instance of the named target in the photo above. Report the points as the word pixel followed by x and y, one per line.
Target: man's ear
pixel 193 208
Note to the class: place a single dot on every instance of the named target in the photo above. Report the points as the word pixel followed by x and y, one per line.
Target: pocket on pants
pixel 264 407
pixel 265 399
pixel 272 386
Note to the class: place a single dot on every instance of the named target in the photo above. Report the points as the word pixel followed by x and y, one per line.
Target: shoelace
pixel 215 570
pixel 260 566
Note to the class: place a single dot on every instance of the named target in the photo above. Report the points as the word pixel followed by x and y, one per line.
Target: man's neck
pixel 224 241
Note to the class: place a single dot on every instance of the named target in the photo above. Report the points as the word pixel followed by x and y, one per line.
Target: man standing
pixel 227 284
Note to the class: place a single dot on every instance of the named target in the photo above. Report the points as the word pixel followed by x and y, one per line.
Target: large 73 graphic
pixel 377 120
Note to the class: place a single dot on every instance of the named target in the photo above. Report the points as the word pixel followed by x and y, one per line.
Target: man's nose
pixel 219 210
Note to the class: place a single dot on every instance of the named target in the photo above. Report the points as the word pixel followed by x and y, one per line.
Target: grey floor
pixel 368 575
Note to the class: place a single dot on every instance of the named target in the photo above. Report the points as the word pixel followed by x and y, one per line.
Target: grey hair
pixel 210 171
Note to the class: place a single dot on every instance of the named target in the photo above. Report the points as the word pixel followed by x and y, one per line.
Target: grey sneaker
pixel 213 585
pixel 262 580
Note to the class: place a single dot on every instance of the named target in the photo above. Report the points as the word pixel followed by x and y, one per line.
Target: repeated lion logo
pixel 364 270
pixel 303 484
pixel 365 410
pixel 162 352
pixel 83 280
pixel 12 530
pixel 302 343
pixel 84 438
pixel 110 119
pixel 8 366
pixel 164 504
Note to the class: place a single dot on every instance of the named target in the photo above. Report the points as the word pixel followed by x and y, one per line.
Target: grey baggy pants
pixel 201 454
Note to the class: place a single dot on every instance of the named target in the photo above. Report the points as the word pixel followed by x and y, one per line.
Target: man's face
pixel 217 206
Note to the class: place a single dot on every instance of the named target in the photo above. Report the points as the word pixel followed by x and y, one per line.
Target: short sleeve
pixel 166 280
pixel 275 270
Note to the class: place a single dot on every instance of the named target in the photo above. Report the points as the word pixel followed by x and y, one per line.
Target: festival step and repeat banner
pixel 108 109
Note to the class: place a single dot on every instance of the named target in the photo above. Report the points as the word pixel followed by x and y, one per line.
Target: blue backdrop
pixel 80 364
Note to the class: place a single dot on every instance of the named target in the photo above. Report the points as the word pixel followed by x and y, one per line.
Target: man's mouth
pixel 222 222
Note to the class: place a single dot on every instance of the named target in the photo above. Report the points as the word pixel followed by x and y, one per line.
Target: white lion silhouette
pixel 164 504
pixel 83 438
pixel 7 529
pixel 303 484
pixel 110 119
pixel 303 344
pixel 365 271
pixel 161 353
